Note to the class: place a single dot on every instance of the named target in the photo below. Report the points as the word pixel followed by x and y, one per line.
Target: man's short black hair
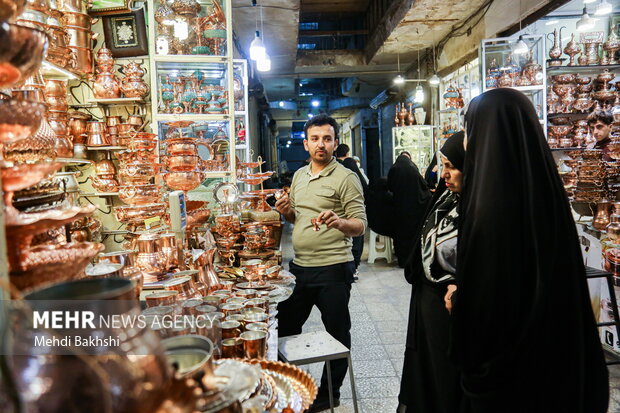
pixel 320 120
pixel 342 150
pixel 600 115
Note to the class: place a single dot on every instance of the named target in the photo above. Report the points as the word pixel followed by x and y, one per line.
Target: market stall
pixel 130 190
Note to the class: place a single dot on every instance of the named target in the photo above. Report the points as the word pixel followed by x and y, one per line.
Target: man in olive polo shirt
pixel 332 194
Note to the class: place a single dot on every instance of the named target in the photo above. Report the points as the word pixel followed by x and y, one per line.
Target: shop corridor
pixel 379 309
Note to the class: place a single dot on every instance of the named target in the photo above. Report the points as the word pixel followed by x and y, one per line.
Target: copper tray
pixel 301 381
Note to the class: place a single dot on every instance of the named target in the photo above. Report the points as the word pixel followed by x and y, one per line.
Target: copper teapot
pixel 106 86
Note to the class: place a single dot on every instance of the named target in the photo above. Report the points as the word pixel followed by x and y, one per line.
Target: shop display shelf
pixel 567 115
pixel 114 232
pixel 567 149
pixel 190 59
pixel 98 194
pixel 190 116
pixel 52 71
pixel 74 161
pixel 556 70
pixel 106 148
pixel 83 105
pixel 118 101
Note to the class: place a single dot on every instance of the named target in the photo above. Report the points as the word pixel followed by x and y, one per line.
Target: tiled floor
pixel 379 309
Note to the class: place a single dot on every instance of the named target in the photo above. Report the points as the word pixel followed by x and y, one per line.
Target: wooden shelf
pixel 73 161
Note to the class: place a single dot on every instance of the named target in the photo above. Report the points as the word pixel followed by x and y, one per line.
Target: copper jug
pixel 206 271
pixel 601 218
pixel 613 229
pixel 556 51
pixel 106 86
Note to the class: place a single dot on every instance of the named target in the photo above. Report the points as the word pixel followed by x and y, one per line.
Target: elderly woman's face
pixel 452 176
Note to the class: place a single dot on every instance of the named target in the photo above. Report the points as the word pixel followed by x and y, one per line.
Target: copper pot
pixel 181 163
pixel 135 120
pixel 138 173
pixel 75 6
pixel 54 87
pixel 95 126
pixel 138 213
pixel 77 128
pixel 601 218
pixel 74 19
pixel 126 129
pixel 57 103
pixel 80 37
pixel 105 184
pixel 105 167
pixel 184 146
pixel 184 181
pixel 134 87
pixel 113 120
pixel 83 59
pixel 126 257
pixel 139 194
pixel 169 249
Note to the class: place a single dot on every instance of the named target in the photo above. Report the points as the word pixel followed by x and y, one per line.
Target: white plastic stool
pixel 380 246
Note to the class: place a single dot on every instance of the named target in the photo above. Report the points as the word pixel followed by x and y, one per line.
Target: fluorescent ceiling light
pixel 399 80
pixel 264 64
pixel 419 94
pixel 434 80
pixel 585 22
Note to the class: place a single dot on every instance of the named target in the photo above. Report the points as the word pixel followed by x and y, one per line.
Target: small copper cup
pixel 253 310
pixel 258 303
pixel 212 300
pixel 228 309
pixel 227 285
pixel 236 300
pixel 232 348
pixel 246 294
pixel 230 329
pixel 189 307
pixel 256 318
pixel 160 298
pixel 236 317
pixel 254 344
pixel 257 327
pixel 206 309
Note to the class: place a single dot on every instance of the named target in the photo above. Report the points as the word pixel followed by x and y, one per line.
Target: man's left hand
pixel 331 219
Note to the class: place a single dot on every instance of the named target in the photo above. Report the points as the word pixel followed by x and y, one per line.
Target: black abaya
pixel 430 381
pixel 524 333
pixel 411 197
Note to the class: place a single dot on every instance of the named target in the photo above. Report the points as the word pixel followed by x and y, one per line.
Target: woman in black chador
pixel 524 334
pixel 430 381
pixel 411 196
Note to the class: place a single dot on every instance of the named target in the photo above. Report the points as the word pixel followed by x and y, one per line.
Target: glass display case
pixel 526 72
pixel 415 139
pixel 190 27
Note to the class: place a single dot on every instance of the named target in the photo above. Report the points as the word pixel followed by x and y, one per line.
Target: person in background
pixel 430 381
pixel 380 208
pixel 600 123
pixel 359 165
pixel 342 154
pixel 326 206
pixel 430 176
pixel 411 196
pixel 523 331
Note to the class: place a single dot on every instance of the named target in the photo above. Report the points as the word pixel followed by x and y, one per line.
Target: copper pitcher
pixel 601 218
pixel 207 272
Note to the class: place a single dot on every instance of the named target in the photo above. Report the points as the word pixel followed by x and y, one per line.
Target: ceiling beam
pixel 329 33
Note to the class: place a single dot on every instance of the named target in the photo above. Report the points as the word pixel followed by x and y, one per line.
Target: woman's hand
pixel 448 297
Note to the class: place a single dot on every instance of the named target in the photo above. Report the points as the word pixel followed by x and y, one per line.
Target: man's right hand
pixel 283 206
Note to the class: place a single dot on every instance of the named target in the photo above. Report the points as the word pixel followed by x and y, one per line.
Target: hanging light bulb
pixel 399 80
pixel 521 47
pixel 419 94
pixel 434 80
pixel 603 8
pixel 257 48
pixel 264 64
pixel 585 22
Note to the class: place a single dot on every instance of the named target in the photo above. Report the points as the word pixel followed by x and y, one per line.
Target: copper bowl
pixel 136 156
pixel 604 95
pixel 24 175
pixel 197 217
pixel 139 194
pixel 19 119
pixel 563 120
pixel 564 78
pixel 126 257
pixel 184 181
pixel 105 167
pixel 83 60
pixel 47 264
pixel 23 48
pixel 582 80
pixel 10 9
pixel 75 19
pixel 136 143
pixel 138 213
pixel 182 163
pixel 105 184
pixel 113 121
pixel 584 88
pixel 138 173
pixel 593 154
